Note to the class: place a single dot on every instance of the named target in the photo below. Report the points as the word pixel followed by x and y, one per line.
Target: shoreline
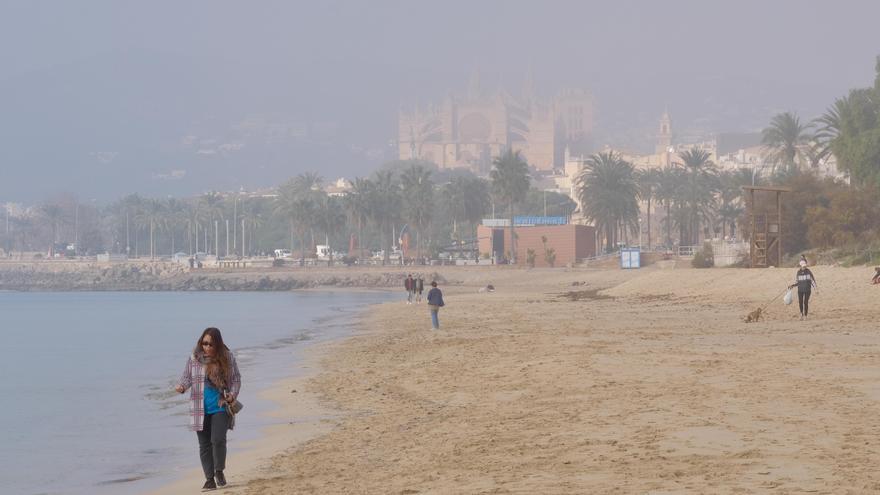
pixel 297 418
pixel 248 458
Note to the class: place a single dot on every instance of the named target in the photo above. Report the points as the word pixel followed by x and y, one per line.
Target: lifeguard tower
pixel 764 207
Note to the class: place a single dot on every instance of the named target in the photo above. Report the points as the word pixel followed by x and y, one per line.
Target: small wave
pixel 128 479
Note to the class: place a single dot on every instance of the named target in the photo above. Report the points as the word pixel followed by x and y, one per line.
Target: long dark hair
pixel 222 352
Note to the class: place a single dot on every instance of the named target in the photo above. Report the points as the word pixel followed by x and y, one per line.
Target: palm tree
pixel 647 182
pixel 330 219
pixel 253 215
pixel 510 184
pixel 670 183
pixel 357 207
pixel 828 126
pixel 467 200
pixel 53 214
pixel 308 186
pixel 384 207
pixel 417 198
pixel 210 209
pixel 176 216
pixel 730 196
pixel 151 215
pixel 608 194
pixel 307 183
pixel 848 130
pixel 296 203
pixel 787 141
pixel 702 183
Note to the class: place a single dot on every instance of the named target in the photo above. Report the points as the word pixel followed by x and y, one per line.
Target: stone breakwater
pixel 52 276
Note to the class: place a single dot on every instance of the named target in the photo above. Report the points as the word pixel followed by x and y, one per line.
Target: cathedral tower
pixel 664 139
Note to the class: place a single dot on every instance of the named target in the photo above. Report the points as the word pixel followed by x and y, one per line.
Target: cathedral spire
pixel 529 85
pixel 664 138
pixel 474 90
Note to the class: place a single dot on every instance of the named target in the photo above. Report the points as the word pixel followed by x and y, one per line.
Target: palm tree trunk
pixel 649 225
pixel 291 236
pixel 512 235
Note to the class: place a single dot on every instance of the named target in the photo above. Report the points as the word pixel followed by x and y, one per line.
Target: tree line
pixel 437 209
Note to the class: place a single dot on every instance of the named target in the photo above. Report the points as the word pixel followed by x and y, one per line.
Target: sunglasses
pixel 207 344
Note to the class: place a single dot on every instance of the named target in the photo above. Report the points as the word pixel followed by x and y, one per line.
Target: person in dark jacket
pixel 435 302
pixel 420 286
pixel 409 284
pixel 805 282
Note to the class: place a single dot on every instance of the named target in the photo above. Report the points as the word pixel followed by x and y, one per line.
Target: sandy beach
pixel 587 381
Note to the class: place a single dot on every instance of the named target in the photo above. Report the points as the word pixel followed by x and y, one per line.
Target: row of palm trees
pixel 696 197
pixel 300 215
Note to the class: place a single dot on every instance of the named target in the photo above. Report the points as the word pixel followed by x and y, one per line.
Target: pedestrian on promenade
pixel 212 375
pixel 420 286
pixel 409 284
pixel 805 282
pixel 435 302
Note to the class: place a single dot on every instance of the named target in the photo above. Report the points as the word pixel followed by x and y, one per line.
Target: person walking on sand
pixel 409 285
pixel 212 375
pixel 435 302
pixel 805 282
pixel 420 286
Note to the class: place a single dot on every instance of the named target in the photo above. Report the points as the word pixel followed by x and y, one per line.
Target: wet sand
pixel 591 381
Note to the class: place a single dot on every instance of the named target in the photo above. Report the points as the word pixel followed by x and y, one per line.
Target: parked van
pixel 282 253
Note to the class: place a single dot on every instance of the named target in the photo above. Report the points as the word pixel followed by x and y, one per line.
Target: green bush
pixel 530 257
pixel 704 258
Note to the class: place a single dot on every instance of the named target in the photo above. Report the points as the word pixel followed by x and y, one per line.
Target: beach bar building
pixel 569 242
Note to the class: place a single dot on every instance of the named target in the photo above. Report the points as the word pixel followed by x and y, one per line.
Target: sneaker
pixel 221 480
pixel 802 317
pixel 209 485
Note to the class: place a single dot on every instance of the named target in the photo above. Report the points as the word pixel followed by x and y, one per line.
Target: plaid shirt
pixel 194 376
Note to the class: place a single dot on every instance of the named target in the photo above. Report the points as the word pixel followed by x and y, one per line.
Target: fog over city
pixel 102 98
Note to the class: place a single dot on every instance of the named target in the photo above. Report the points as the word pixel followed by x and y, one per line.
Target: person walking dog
pixel 805 282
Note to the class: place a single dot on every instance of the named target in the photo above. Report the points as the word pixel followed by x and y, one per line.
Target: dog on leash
pixel 754 315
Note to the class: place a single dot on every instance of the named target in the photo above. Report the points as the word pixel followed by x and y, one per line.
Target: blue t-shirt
pixel 212 398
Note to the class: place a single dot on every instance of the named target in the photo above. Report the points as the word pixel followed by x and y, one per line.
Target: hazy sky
pixel 107 98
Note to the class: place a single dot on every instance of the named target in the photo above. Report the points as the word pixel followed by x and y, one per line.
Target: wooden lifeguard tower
pixel 765 224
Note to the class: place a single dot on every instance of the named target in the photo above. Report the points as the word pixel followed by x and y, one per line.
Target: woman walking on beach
pixel 212 373
pixel 805 282
pixel 435 302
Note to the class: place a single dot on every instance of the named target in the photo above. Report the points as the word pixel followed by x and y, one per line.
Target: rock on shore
pixel 142 276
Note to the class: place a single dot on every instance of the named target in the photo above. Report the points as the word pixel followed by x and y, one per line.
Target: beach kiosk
pixel 630 258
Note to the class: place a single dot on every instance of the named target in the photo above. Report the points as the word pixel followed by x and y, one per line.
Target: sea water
pixel 86 378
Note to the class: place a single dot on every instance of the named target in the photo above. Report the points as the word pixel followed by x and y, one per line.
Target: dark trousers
pixel 212 443
pixel 804 302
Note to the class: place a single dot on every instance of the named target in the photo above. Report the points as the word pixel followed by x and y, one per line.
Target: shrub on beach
pixel 704 258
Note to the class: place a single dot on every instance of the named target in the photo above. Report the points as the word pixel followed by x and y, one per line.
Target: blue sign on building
pixel 522 220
